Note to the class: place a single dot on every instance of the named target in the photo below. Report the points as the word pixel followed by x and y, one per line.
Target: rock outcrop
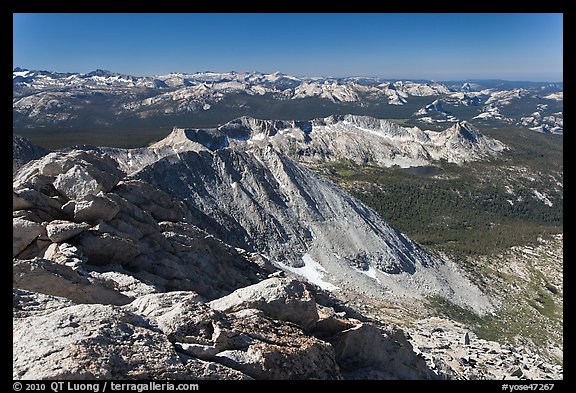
pixel 91 342
pixel 282 298
pixel 176 335
pixel 119 226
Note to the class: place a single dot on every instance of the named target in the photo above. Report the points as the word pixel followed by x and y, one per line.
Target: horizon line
pixel 468 79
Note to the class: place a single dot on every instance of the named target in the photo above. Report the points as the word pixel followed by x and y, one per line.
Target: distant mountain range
pixel 103 99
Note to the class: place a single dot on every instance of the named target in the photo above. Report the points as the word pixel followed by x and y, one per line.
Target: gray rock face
pixel 278 208
pixel 248 341
pixel 75 174
pixel 95 207
pixel 151 200
pixel 364 350
pixel 303 359
pixel 76 183
pixel 65 254
pixel 180 315
pixel 91 342
pixel 262 201
pixel 108 249
pixel 130 226
pixel 61 230
pixel 281 298
pixel 50 278
pixel 31 199
pixel 27 303
pixel 24 232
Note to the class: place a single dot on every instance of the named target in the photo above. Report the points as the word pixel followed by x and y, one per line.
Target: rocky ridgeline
pixel 362 139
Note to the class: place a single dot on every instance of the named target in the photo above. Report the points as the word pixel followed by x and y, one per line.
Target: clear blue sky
pixel 413 46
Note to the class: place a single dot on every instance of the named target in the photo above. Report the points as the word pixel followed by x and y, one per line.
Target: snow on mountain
pixel 505 97
pixel 331 91
pixel 252 196
pixel 462 142
pixel 20 73
pixel 491 111
pixel 421 89
pixel 336 90
pixel 395 97
pixel 553 124
pixel 466 99
pixel 43 98
pixel 555 96
pixel 435 106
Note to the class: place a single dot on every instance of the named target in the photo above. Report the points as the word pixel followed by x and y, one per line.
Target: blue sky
pixel 400 46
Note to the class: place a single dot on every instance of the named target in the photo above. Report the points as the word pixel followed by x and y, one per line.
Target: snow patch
pixel 312 271
pixel 371 272
pixel 543 197
pixel 555 96
pixel 258 137
pixel 19 73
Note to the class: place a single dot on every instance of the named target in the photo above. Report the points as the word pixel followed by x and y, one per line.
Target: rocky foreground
pixel 118 276
pixel 271 330
pixel 451 349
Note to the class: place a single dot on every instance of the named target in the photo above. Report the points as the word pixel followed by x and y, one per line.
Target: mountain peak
pixel 99 72
pixel 186 139
pixel 466 131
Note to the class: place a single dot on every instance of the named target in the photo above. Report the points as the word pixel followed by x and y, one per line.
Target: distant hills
pixel 106 100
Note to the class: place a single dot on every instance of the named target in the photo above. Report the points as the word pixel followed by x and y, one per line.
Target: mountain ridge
pixel 105 99
pixel 361 139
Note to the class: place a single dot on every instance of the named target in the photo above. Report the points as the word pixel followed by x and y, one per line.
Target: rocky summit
pixel 197 258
